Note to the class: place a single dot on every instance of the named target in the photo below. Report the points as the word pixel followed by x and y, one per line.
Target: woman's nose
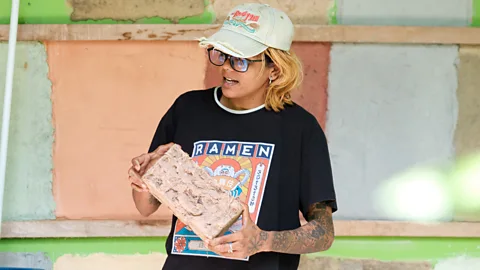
pixel 226 66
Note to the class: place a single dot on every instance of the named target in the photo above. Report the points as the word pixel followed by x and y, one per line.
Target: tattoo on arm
pixel 316 235
pixel 255 244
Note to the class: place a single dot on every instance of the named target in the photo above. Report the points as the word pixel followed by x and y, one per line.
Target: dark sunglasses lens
pixel 239 64
pixel 217 57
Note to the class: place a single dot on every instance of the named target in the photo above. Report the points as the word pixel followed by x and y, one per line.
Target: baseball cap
pixel 250 29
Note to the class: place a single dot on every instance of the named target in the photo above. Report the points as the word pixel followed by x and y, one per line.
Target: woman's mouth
pixel 229 81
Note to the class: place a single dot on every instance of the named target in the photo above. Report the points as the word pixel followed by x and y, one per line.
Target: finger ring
pixel 230 249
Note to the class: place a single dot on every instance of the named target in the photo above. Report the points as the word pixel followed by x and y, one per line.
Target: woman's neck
pixel 244 103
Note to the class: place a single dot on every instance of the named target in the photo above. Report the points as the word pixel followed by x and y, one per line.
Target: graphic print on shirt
pixel 241 168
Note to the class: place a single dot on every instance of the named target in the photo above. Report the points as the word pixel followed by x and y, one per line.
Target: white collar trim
pixel 232 110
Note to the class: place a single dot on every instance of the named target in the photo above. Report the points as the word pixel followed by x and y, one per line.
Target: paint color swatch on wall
pixel 405 12
pixel 106 113
pixel 28 182
pixel 394 111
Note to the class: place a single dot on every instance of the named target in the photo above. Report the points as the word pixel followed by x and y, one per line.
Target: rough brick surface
pixel 311 263
pixel 468 121
pixel 135 9
pixel 300 12
pixel 192 195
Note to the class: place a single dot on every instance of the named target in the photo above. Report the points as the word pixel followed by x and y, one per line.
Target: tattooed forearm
pixel 256 244
pixel 316 235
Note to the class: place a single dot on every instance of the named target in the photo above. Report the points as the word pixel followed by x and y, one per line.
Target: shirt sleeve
pixel 165 130
pixel 316 170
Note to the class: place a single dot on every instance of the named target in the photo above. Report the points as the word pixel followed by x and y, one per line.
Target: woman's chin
pixel 230 91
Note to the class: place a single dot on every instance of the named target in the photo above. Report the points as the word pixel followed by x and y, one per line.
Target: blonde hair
pixel 290 76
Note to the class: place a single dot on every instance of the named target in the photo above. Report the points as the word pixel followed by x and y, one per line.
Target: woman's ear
pixel 274 73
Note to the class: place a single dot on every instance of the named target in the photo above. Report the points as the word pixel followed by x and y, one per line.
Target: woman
pixel 257 143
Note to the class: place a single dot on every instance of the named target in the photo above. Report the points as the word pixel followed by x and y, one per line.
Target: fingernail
pixel 144 186
pixel 137 165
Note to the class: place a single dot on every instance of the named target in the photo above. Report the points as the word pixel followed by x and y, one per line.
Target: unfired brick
pixel 300 12
pixel 195 197
pixel 135 9
pixel 467 140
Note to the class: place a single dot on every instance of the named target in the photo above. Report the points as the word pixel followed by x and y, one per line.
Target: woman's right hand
pixel 141 164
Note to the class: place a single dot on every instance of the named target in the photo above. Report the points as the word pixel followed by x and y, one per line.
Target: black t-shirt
pixel 277 162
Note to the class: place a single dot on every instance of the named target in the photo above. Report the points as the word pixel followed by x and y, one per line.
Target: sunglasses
pixel 218 58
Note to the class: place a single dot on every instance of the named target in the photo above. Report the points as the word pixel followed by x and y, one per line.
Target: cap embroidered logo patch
pixel 244 19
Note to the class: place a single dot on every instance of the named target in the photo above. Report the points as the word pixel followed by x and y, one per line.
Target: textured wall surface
pixel 390 108
pixel 28 187
pixel 135 10
pixel 312 94
pixel 106 113
pixel 405 12
pixel 107 261
pixel 390 251
pixel 155 260
pixel 308 263
pixel 36 260
pixel 387 12
pixel 476 13
pixel 467 131
pixel 304 12
pixel 95 11
pixel 459 263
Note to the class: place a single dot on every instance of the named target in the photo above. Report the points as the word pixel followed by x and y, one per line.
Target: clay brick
pixel 192 194
pixel 378 265
pixel 300 12
pixel 310 263
pixel 135 9
pixel 468 121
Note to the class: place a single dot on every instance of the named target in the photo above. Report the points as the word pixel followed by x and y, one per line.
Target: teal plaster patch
pixel 28 187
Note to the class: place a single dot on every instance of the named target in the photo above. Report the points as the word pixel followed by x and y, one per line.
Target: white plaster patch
pixel 405 12
pixel 459 263
pixel 37 260
pixel 102 261
pixel 389 108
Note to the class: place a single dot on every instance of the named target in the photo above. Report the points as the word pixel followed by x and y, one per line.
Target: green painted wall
pixel 28 186
pixel 476 13
pixel 58 12
pixel 31 164
pixel 388 249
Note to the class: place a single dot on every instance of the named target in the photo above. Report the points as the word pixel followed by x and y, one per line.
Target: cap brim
pixel 234 44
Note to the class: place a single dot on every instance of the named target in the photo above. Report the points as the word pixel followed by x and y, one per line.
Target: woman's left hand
pixel 246 242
